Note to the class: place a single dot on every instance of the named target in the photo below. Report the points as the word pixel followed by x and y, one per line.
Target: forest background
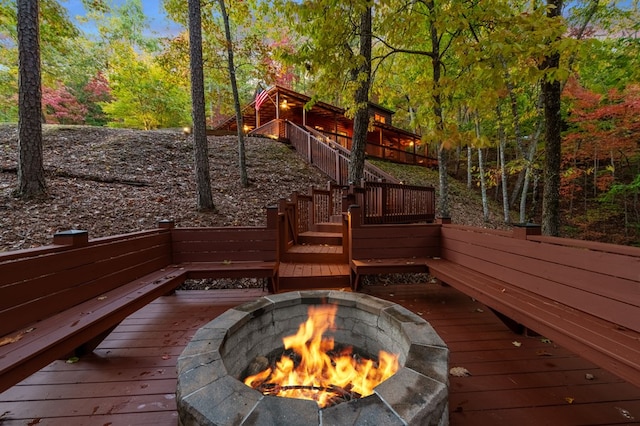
pixel 490 125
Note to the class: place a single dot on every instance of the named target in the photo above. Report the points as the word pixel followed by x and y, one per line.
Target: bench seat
pixel 386 266
pixel 607 344
pixel 78 329
pixel 232 269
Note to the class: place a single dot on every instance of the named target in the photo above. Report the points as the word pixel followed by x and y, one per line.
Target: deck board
pixel 131 377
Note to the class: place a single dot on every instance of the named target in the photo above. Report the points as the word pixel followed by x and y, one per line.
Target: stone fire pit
pixel 210 369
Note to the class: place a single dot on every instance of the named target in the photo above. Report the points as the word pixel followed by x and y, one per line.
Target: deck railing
pixel 302 211
pixel 384 202
pixel 380 202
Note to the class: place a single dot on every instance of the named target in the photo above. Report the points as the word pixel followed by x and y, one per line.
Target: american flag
pixel 260 98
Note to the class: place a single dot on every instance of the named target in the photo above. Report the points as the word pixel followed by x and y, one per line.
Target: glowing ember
pixel 322 375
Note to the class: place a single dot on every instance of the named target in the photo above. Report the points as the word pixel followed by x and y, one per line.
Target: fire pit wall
pixel 210 368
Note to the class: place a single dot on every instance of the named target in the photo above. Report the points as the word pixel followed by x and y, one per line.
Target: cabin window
pixel 379 118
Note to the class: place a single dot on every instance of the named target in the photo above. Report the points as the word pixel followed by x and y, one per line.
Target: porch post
pixel 277 105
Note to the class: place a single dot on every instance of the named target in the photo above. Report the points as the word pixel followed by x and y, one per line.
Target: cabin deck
pixel 131 377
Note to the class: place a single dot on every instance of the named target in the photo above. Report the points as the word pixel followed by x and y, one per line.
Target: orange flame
pixel 319 376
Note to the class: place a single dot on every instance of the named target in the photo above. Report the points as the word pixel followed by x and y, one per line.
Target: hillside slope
pixel 113 181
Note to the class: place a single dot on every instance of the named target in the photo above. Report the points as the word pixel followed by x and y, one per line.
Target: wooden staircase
pixel 318 261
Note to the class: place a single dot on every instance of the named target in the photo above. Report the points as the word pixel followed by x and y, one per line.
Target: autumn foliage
pixel 600 148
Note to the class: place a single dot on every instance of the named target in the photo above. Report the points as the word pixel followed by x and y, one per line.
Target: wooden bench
pixel 583 295
pixel 386 249
pixel 61 300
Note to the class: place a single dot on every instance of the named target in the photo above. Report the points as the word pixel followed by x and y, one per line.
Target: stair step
pixel 308 276
pixel 314 237
pixel 315 253
pixel 333 227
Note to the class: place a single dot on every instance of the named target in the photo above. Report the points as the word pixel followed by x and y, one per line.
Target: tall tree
pixel 361 75
pixel 551 91
pixel 200 147
pixel 244 180
pixel 31 180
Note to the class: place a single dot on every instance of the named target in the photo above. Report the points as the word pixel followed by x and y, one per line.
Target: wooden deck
pixel 131 377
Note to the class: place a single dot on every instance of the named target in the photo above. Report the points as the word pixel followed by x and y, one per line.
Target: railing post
pixel 355 216
pixel 336 155
pixel 72 237
pixel 272 217
pixel 166 224
pixel 309 156
pixel 522 230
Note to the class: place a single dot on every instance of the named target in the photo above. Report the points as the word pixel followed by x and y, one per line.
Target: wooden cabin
pixel 384 141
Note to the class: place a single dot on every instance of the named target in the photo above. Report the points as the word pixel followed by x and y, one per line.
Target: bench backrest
pixel 224 244
pixel 600 279
pixel 38 283
pixel 391 241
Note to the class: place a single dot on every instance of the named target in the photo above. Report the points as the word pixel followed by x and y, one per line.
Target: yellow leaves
pixel 15 338
pixel 516 343
pixel 73 360
pixel 459 372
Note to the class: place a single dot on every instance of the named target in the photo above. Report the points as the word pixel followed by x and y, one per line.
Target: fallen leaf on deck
pixel 165 356
pixel 545 340
pixel 569 399
pixel 102 297
pixel 73 360
pixel 625 413
pixel 459 372
pixel 12 339
pixel 516 343
pixel 226 262
pixel 589 376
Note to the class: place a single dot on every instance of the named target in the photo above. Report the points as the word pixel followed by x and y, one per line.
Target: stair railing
pixel 328 156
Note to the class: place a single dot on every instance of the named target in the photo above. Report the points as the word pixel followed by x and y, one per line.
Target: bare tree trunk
pixel 469 166
pixel 529 164
pixel 31 181
pixel 362 74
pixel 200 147
pixel 438 115
pixel 242 162
pixel 551 90
pixel 483 179
pixel 502 145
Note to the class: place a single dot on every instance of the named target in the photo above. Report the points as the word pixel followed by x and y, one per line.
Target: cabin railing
pixel 273 129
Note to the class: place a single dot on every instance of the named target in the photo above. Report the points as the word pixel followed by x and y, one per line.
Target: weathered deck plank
pixel 130 379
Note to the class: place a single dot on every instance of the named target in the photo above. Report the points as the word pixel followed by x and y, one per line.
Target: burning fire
pixel 321 374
